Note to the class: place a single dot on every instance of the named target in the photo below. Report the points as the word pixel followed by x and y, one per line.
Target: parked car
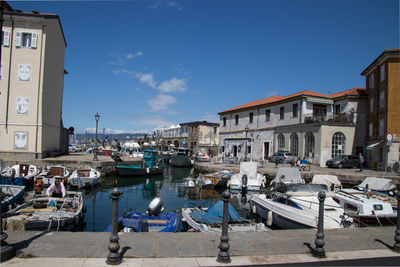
pixel 281 157
pixel 343 161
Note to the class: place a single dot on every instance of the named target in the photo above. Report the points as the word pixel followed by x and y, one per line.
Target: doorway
pixel 266 150
pixel 235 150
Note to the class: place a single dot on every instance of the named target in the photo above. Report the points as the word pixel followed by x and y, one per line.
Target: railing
pixel 337 118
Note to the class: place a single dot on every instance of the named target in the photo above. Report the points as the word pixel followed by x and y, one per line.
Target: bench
pixel 306 167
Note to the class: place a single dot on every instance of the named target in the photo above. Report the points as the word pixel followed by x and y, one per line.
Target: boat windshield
pixel 313 188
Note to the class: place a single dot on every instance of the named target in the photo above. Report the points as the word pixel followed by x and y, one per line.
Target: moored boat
pixel 48 175
pixel 10 195
pixel 84 177
pixel 20 174
pixel 181 158
pixel 151 165
pixel 44 213
pixel 247 178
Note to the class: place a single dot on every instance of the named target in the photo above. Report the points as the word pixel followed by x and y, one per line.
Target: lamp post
pixel 246 129
pixel 97 117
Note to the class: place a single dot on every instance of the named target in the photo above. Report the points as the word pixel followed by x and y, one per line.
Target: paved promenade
pixel 198 249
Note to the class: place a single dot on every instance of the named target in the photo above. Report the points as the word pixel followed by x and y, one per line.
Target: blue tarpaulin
pixel 214 214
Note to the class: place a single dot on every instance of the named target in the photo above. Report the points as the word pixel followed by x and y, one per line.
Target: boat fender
pixel 270 218
pixel 84 208
pixel 147 170
pixel 76 220
pixel 254 209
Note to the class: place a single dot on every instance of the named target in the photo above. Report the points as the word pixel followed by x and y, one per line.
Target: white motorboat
pixel 364 207
pixel 84 177
pixel 20 174
pixel 46 213
pixel 210 220
pixel 247 178
pixel 294 206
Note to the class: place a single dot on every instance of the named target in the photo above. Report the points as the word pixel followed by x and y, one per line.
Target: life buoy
pixel 270 218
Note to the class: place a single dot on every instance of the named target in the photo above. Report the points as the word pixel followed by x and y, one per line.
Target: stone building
pixel 307 124
pixel 382 79
pixel 31 86
pixel 202 136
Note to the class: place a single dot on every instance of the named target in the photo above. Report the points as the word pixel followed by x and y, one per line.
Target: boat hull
pixel 181 161
pixel 15 192
pixel 136 170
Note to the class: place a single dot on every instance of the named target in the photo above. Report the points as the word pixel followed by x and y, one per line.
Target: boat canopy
pixel 214 214
pixel 288 176
pixel 248 168
pixel 377 184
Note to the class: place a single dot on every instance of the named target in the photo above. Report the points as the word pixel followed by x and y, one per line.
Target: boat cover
pixel 248 168
pixel 326 179
pixel 377 184
pixel 214 214
pixel 288 176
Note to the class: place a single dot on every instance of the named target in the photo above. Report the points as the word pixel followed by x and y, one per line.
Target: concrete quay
pixel 199 249
pixel 351 176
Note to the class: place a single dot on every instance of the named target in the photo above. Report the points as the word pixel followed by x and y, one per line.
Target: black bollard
pixel 7 251
pixel 113 257
pixel 224 255
pixel 396 246
pixel 319 250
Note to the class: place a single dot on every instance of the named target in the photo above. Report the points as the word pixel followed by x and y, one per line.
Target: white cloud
pixel 161 102
pixel 146 78
pixel 123 58
pixel 173 85
pixel 159 3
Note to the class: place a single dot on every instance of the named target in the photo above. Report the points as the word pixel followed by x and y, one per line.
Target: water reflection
pixel 137 192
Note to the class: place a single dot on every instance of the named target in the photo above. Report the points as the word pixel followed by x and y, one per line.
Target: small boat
pixel 210 219
pixel 380 187
pixel 45 213
pixel 204 182
pixel 189 182
pixel 247 178
pixel 10 195
pixel 219 179
pixel 296 206
pixel 46 177
pixel 84 177
pixel 151 165
pixel 20 174
pixel 181 158
pixel 151 222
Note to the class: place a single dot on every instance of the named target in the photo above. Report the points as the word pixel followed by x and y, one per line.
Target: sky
pixel 146 64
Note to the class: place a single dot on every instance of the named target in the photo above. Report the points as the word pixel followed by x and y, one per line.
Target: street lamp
pixel 246 129
pixel 97 117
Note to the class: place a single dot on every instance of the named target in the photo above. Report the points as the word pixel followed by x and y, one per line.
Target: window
pixel 24 72
pixel 5 38
pixel 224 121
pixel 371 105
pixel 382 99
pixel 319 110
pixel 337 109
pixel 371 81
pixel 294 144
pixel 21 140
pixel 215 130
pixel 267 115
pixel 22 105
pixel 282 113
pixel 26 39
pixel 248 149
pixel 236 119
pixel 338 144
pixel 281 142
pixel 309 145
pixel 251 117
pixel 295 110
pixel 370 129
pixel 382 72
pixel 381 127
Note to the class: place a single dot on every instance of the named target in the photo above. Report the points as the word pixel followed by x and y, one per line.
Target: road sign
pixel 389 137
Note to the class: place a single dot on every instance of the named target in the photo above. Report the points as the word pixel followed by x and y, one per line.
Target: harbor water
pixel 137 192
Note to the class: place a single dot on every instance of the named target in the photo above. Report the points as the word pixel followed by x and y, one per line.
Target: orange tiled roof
pixel 358 91
pixel 256 103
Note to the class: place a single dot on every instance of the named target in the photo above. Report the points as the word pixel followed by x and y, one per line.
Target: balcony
pixel 342 118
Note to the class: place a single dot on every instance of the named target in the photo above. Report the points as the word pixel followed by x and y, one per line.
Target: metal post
pixel 97 117
pixel 224 255
pixel 319 250
pixel 396 246
pixel 7 251
pixel 113 257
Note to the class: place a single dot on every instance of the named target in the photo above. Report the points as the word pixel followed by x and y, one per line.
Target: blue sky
pixel 144 64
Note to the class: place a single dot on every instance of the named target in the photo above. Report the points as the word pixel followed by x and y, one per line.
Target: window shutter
pixel 6 38
pixel 34 39
pixel 18 39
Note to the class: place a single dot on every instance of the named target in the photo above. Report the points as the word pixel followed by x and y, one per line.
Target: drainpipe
pixel 9 72
pixel 38 94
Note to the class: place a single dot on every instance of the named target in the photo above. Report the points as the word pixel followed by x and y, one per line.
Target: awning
pixel 370 147
pixel 320 100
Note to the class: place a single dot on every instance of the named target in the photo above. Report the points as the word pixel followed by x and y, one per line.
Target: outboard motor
pixel 244 184
pixel 155 207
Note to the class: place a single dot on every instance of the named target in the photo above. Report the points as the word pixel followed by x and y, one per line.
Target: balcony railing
pixel 337 118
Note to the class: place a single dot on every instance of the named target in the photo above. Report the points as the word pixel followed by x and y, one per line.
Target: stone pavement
pixel 197 249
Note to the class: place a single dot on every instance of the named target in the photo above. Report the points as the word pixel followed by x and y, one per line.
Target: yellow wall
pixel 393 124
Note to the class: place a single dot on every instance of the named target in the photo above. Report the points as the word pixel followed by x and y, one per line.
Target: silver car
pixel 281 157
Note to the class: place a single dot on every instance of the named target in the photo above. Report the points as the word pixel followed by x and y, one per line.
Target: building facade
pixel 203 137
pixel 307 124
pixel 31 86
pixel 382 78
